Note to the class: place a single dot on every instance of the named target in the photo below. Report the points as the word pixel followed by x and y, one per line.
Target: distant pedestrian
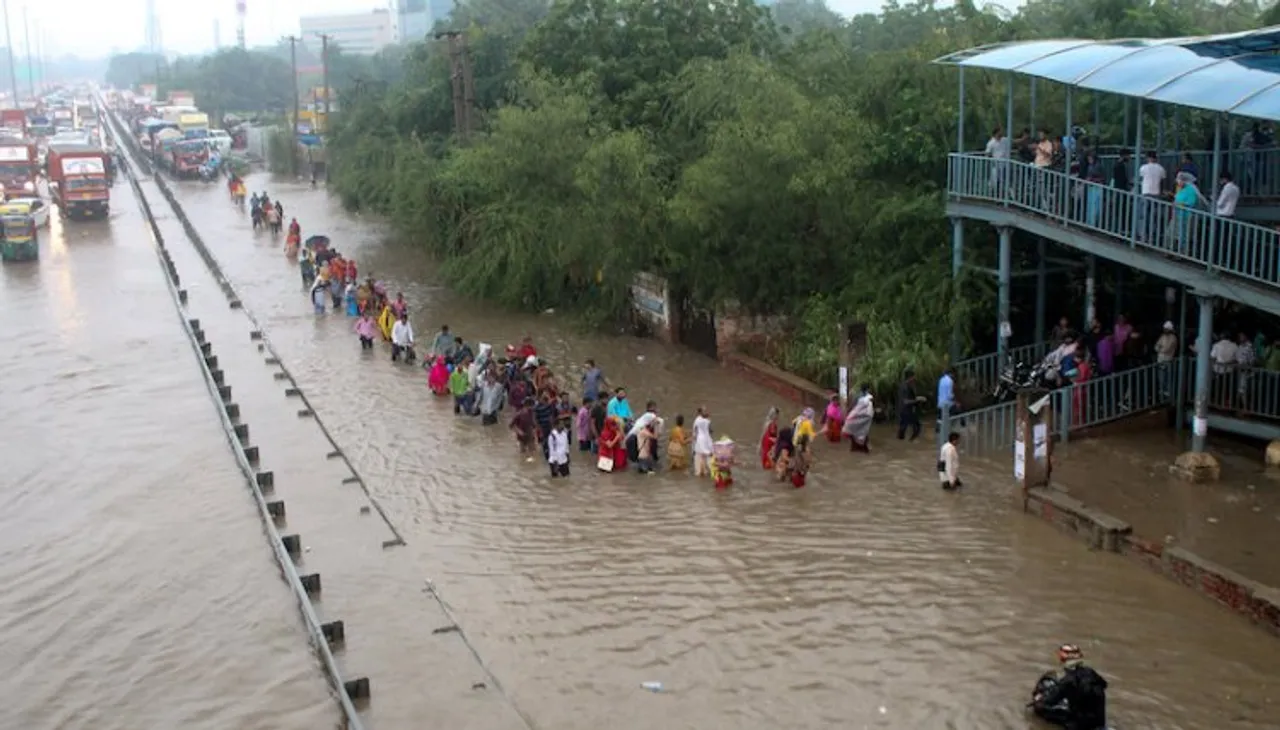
pixel 908 407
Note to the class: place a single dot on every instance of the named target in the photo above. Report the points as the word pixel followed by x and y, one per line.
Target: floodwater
pixel 139 591
pixel 867 599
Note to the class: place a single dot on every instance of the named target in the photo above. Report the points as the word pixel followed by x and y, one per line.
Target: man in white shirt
pixel 402 340
pixel 1228 196
pixel 1151 177
pixel 949 463
pixel 558 450
pixel 998 151
pixel 1223 355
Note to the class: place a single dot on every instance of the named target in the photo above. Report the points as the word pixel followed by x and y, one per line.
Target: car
pixel 220 141
pixel 37 208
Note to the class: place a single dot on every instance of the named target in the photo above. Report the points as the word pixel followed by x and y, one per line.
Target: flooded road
pixel 139 591
pixel 868 599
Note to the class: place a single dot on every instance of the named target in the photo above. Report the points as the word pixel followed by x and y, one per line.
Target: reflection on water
pixel 138 590
pixel 867 599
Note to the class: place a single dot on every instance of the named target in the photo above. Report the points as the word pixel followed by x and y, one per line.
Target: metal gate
pixel 697 328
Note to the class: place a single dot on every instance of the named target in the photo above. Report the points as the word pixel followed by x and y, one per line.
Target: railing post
pixel 1070 154
pixel 1005 173
pixel 1139 212
pixel 1180 395
pixel 1213 202
pixel 1090 290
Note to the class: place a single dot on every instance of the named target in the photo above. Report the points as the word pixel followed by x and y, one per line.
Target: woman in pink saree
pixel 438 378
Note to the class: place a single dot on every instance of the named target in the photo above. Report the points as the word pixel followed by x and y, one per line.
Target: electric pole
pixel 324 65
pixel 463 84
pixel 13 69
pixel 31 69
pixel 293 133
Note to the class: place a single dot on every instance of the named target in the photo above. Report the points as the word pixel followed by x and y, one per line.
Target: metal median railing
pixel 1245 392
pixel 1256 172
pixel 1223 244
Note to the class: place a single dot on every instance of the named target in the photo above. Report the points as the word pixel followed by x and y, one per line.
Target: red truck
pixel 19 164
pixel 78 180
pixel 14 122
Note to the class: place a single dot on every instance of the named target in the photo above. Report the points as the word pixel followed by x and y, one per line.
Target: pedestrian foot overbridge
pixel 1121 194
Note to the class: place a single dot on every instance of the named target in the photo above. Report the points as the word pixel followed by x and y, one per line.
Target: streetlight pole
pixel 13 70
pixel 293 133
pixel 31 69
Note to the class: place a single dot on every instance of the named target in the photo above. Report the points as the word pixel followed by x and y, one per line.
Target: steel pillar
pixel 1003 288
pixel 1204 342
pixel 1090 291
pixel 1041 276
pixel 957 263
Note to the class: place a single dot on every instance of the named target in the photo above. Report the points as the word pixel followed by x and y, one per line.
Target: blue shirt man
pixel 946 390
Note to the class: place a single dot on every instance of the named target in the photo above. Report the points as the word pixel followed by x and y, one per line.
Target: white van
pixel 220 140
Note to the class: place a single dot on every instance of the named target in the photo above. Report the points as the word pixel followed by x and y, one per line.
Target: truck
pixel 63 119
pixel 14 122
pixel 78 180
pixel 19 166
pixel 181 98
pixel 194 126
pixel 184 157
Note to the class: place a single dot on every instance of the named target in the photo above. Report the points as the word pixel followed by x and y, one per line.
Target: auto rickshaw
pixel 19 240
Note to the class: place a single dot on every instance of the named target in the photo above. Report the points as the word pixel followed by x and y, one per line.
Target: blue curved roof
pixel 1237 73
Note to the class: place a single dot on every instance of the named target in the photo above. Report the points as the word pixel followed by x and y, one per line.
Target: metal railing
pixel 1252 393
pixel 1256 172
pixel 1231 246
pixel 979 374
pixel 1076 407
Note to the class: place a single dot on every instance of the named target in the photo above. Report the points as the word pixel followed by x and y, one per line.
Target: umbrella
pixel 318 242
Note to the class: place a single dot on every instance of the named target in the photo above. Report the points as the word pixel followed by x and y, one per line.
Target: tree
pixel 232 80
pixel 782 160
pixel 128 70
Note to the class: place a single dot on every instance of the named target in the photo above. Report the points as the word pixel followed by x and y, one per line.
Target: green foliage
pixel 784 160
pixel 281 155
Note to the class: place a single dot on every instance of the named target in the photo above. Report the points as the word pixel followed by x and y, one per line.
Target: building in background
pixel 439 10
pixel 414 20
pixel 360 33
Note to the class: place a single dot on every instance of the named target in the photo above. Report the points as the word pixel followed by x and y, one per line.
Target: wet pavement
pixel 138 589
pixel 1124 471
pixel 867 599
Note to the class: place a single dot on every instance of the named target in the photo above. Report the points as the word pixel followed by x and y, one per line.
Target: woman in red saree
pixel 769 439
pixel 1080 386
pixel 611 444
pixel 833 420
pixel 438 378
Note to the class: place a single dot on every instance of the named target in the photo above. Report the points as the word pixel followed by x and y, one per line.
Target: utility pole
pixel 324 65
pixel 13 69
pixel 463 84
pixel 31 69
pixel 293 133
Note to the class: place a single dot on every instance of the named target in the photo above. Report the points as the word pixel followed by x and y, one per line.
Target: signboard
pixel 649 293
pixel 181 98
pixel 63 114
pixel 14 154
pixel 148 91
pixel 83 166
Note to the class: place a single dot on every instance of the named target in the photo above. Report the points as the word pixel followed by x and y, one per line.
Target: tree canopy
pixel 784 160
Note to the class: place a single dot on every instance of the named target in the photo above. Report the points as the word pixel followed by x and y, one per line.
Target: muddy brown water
pixel 139 591
pixel 867 599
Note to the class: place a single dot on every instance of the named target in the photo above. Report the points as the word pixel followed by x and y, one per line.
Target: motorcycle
pixel 1058 714
pixel 1016 376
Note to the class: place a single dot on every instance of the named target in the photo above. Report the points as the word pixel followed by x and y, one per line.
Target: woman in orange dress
pixel 769 439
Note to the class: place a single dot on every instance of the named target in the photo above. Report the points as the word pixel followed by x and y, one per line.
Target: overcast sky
pixel 98 27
